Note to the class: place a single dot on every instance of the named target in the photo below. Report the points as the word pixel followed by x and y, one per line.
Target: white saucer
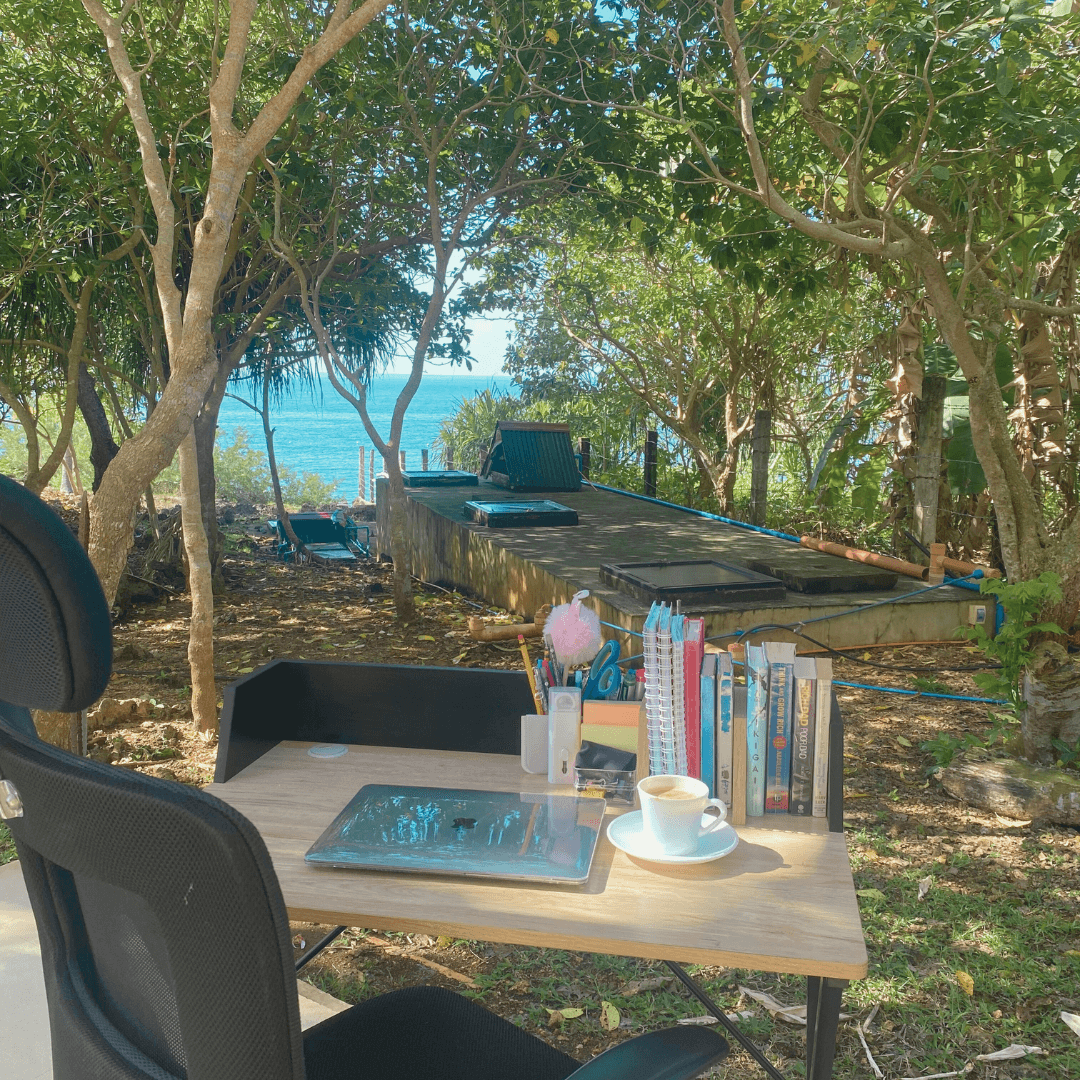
pixel 627 834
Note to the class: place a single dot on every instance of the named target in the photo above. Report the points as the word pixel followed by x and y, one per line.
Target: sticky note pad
pixel 622 738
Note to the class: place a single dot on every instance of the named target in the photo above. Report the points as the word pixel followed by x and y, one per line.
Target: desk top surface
pixel 782 901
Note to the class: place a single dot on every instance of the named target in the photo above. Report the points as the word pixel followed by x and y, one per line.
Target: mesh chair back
pixel 164 937
pixel 55 635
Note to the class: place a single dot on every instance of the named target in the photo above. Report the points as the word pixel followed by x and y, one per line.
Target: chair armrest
pixel 673 1054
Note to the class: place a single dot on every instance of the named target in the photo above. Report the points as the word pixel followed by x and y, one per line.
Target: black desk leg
pixel 822 1017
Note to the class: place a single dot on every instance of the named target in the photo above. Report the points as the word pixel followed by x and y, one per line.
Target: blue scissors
pixel 604 678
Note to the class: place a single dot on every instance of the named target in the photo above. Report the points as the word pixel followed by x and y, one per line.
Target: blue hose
pixel 920 693
pixel 697 513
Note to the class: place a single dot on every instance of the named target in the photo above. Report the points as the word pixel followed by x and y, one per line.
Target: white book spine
pixel 823 721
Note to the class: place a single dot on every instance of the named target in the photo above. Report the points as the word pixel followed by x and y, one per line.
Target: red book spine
pixel 693 655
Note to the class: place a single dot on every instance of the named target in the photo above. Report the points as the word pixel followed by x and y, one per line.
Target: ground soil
pixel 270 609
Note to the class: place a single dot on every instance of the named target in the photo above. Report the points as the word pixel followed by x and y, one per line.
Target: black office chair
pixel 164 937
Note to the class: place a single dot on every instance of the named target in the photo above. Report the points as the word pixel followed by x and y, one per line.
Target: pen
pixel 539 701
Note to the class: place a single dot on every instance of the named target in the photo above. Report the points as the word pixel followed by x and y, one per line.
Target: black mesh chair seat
pixel 164 936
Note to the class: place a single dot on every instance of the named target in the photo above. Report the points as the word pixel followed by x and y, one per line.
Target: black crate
pixel 506 515
pixel 439 478
pixel 699 580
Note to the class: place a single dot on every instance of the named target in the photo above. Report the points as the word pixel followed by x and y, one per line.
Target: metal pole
pixel 650 464
pixel 759 470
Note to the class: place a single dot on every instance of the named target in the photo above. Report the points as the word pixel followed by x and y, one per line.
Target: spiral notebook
pixel 499 834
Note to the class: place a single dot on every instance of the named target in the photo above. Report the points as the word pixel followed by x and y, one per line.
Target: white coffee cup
pixel 673 812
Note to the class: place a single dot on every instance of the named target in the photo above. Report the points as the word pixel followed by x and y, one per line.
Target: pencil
pixel 539 701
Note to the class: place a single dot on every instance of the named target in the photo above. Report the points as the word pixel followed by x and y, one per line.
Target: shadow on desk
pixel 745 859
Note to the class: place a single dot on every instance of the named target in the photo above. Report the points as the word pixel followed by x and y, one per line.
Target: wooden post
pixel 936 574
pixel 650 463
pixel 585 450
pixel 930 412
pixel 402 460
pixel 371 474
pixel 360 485
pixel 423 459
pixel 448 457
pixel 761 444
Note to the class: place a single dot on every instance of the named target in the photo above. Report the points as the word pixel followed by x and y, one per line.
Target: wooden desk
pixel 782 901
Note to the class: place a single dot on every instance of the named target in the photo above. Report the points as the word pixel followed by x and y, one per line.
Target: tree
pixel 939 138
pixel 481 148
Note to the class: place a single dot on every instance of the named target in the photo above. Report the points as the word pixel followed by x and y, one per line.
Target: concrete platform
pixel 25 1047
pixel 522 568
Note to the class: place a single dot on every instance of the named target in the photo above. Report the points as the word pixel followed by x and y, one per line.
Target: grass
pixel 7 845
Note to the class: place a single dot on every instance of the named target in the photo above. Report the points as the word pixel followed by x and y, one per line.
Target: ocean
pixel 318 431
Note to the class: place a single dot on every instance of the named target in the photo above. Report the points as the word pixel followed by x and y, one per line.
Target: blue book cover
pixel 780 657
pixel 708 724
pixel 757 728
pixel 723 727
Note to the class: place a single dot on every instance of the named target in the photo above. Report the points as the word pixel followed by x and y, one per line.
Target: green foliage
pixel 242 473
pixel 943 746
pixel 1011 646
pixel 928 685
pixel 1068 756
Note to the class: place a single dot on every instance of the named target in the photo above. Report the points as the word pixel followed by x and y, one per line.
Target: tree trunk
pixel 761 443
pixel 139 461
pixel 206 423
pixel 201 587
pixel 930 410
pixel 60 729
pixel 103 447
pixel 399 545
pixel 1051 691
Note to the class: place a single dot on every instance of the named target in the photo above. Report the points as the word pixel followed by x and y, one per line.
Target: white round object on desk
pixel 328 750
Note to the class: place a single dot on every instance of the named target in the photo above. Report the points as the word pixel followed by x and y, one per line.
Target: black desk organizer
pixel 427 708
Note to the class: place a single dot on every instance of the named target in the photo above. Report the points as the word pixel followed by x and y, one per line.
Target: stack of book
pixel 690 718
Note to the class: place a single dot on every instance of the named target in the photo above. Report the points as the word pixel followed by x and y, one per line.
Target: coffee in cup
pixel 673 812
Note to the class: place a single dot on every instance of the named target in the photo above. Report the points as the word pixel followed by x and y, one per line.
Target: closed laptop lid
pixel 498 834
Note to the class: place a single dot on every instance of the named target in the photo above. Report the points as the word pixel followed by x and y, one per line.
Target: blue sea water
pixel 317 430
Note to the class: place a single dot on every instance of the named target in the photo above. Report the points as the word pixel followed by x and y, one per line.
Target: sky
pixel 488 347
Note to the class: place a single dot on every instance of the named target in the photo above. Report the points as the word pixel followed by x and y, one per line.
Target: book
pixel 738 756
pixel 708 724
pixel 802 737
pixel 678 694
pixel 667 690
pixel 757 726
pixel 650 647
pixel 724 742
pixel 693 652
pixel 822 725
pixel 780 657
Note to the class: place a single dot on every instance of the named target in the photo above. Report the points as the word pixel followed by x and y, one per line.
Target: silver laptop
pixel 500 834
